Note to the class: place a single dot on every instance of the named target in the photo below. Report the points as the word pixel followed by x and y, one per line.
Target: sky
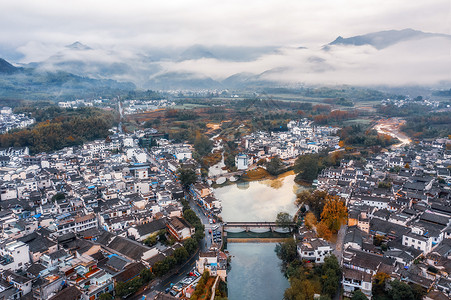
pixel 33 30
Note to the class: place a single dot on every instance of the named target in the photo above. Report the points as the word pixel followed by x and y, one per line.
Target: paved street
pixel 340 240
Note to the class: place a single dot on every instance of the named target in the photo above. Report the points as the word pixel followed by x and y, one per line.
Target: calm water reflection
pixel 255 272
pixel 258 200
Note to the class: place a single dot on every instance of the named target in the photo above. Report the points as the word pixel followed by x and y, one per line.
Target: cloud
pixel 426 61
pixel 235 23
pixel 140 40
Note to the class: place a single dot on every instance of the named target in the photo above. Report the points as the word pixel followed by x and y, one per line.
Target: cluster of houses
pixel 302 137
pixel 399 222
pixel 74 222
pixel 10 120
pixel 84 103
pixel 410 101
pixel 138 106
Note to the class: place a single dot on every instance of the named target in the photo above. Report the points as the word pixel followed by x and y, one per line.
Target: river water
pixel 258 200
pixel 255 272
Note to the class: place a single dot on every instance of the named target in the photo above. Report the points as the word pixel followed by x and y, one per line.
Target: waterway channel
pixel 255 272
pixel 255 268
pixel 258 200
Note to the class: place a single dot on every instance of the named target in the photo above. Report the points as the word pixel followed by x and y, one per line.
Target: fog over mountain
pixel 233 45
pixel 381 58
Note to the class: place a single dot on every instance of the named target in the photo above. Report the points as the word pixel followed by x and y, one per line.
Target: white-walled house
pixel 315 250
pixel 14 256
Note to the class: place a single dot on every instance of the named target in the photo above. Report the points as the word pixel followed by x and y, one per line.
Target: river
pixel 258 200
pixel 255 272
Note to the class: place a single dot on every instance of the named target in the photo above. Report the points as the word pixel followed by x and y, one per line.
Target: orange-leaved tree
pixel 310 220
pixel 334 213
pixel 323 231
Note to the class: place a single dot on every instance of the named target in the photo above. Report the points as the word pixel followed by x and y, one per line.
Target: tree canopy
pixel 186 176
pixel 284 220
pixel 274 166
pixel 65 130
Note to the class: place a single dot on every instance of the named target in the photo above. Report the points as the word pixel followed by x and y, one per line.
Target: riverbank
pixel 258 176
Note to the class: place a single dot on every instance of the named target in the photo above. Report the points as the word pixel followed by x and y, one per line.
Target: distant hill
pixel 6 67
pixel 384 39
pixel 78 46
pixel 183 80
pixel 196 52
pixel 33 84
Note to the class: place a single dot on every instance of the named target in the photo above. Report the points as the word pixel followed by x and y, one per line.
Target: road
pixel 190 264
pixel 174 278
pixel 340 240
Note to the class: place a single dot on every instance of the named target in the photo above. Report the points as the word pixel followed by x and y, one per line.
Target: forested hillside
pixel 57 128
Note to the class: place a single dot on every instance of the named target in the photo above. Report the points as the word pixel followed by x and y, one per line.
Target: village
pixel 84 220
pixel 10 120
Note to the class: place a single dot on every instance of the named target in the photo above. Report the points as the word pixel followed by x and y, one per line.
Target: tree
pixel 310 220
pixel 287 251
pixel 315 201
pixel 300 289
pixel 331 275
pixel 284 220
pixel 202 144
pixel 334 213
pixel 274 166
pixel 400 291
pixel 229 161
pixel 105 296
pixel 359 295
pixel 379 282
pixel 186 177
pixel 190 245
pixel 146 275
pixel 151 240
pixel 180 255
pixel 323 231
pixel 307 167
pixel 58 196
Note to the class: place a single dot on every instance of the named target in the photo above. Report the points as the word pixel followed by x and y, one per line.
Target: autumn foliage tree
pixel 334 213
pixel 323 231
pixel 310 220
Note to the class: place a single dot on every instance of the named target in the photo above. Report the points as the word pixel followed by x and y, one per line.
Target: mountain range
pixel 385 57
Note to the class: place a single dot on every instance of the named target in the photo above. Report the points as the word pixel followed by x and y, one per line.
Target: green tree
pixel 359 295
pixel 400 291
pixel 146 275
pixel 180 255
pixel 202 144
pixel 151 240
pixel 190 245
pixel 105 296
pixel 307 167
pixel 186 177
pixel 274 166
pixel 58 196
pixel 284 220
pixel 287 251
pixel 331 276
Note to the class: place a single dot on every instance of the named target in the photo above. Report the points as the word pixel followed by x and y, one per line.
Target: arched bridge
pixel 249 225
